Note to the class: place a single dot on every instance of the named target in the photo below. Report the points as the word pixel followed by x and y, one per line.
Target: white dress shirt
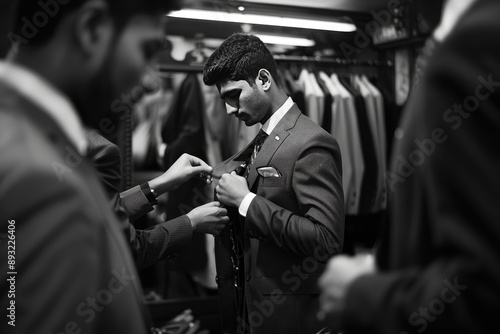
pixel 268 127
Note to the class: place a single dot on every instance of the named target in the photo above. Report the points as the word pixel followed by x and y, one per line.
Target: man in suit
pixel 75 270
pixel 287 207
pixel 437 268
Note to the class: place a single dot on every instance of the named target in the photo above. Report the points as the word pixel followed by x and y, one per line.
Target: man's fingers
pixel 195 161
pixel 197 170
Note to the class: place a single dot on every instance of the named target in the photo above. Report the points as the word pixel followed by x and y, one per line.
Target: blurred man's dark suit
pixel 70 249
pixel 439 260
pixel 295 221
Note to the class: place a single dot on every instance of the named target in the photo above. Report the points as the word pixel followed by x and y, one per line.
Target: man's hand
pixel 232 189
pixel 341 271
pixel 209 218
pixel 186 167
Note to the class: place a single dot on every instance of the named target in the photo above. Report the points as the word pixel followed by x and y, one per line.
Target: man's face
pixel 135 50
pixel 249 103
pixel 119 78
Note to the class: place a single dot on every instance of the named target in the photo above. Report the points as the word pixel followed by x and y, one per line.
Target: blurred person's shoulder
pixel 33 145
pixel 478 29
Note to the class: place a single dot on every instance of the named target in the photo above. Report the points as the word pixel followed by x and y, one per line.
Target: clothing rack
pixel 198 68
pixel 333 60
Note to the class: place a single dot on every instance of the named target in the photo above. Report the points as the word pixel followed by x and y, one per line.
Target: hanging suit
pixel 345 125
pixel 292 220
pixel 382 138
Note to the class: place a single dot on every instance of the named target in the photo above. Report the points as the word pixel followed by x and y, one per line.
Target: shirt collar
pixel 271 123
pixel 48 98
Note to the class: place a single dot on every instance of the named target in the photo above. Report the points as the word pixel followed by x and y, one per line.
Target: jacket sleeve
pixel 159 242
pixel 317 185
pixel 150 245
pixel 135 203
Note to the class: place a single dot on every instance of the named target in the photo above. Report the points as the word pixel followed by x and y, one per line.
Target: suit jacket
pixel 292 226
pixel 439 263
pixel 148 246
pixel 70 250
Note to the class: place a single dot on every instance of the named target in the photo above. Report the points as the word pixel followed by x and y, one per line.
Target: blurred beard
pixel 106 107
pixel 98 113
pixel 95 110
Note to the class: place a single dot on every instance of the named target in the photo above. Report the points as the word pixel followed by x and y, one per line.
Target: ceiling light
pixel 285 40
pixel 241 8
pixel 263 20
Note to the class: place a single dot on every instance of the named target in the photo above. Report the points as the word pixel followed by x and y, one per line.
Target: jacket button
pixel 248 276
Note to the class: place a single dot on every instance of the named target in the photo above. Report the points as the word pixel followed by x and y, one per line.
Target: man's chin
pixel 249 122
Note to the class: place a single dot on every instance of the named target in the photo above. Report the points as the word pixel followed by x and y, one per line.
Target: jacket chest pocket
pixel 272 182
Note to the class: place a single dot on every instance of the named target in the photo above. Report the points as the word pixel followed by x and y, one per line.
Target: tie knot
pixel 261 137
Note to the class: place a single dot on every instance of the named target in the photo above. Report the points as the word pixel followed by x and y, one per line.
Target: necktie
pixel 259 140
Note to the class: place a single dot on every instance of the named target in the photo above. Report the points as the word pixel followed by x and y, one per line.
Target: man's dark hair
pixel 239 57
pixel 45 15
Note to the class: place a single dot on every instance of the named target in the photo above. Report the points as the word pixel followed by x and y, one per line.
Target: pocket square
pixel 268 172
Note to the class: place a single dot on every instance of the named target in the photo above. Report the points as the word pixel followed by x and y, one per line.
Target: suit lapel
pixel 229 165
pixel 273 142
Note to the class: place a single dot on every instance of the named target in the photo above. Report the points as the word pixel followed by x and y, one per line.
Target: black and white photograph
pixel 249 166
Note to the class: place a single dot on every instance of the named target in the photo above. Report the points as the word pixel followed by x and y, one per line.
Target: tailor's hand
pixel 341 271
pixel 210 218
pixel 186 167
pixel 232 189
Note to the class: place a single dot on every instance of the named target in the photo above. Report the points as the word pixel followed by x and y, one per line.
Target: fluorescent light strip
pixel 262 20
pixel 285 40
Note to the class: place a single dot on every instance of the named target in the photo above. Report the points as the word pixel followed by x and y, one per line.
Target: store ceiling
pixel 357 11
pixel 345 5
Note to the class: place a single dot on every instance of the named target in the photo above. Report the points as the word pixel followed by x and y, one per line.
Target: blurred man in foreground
pixel 71 59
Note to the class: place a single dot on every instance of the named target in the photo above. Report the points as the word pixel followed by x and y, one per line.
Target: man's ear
pixel 94 28
pixel 264 78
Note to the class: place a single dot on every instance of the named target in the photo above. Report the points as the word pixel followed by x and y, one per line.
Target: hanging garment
pixel 374 121
pixel 369 186
pixel 354 138
pixel 296 92
pixel 148 114
pixel 326 123
pixel 382 137
pixel 344 129
pixel 317 115
pixel 309 94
